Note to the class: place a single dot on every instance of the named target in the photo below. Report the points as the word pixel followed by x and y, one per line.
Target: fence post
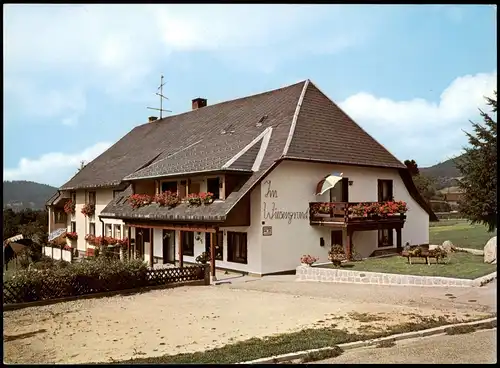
pixel 207 275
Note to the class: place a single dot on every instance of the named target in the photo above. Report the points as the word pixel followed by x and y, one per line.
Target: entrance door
pixel 168 246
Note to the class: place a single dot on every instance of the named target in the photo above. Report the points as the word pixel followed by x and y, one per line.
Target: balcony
pixel 350 215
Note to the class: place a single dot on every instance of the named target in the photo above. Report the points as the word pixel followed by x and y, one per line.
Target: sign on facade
pixel 267 230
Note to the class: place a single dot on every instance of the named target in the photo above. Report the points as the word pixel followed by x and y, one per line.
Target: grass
pixel 458 265
pixel 256 348
pixel 460 232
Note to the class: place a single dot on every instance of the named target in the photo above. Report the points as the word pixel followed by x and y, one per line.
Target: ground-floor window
pixel 237 247
pixel 187 238
pixel 337 237
pixel 73 226
pixel 385 238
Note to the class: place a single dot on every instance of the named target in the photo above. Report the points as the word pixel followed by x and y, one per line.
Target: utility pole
pixel 160 88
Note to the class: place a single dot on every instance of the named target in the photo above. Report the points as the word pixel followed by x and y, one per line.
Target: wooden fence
pixel 43 289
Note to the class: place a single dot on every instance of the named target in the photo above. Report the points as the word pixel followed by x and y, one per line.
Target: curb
pixel 483 280
pixel 358 344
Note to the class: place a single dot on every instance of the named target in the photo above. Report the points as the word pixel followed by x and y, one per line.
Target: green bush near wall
pixel 50 281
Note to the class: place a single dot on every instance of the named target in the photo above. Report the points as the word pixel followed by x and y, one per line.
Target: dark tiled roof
pixel 297 122
pixel 324 132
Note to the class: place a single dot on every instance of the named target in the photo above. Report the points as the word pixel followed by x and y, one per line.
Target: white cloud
pixel 413 127
pixel 53 168
pixel 32 100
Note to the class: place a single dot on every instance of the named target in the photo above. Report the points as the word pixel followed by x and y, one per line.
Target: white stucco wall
pixel 103 197
pixel 292 186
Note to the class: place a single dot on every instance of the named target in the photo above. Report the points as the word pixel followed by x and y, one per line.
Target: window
pixel 73 197
pixel 337 237
pixel 340 192
pixel 92 228
pixel 213 186
pixel 219 248
pixel 385 238
pixel 237 247
pixel 60 217
pixel 194 187
pixel 108 230
pixel 385 190
pixel 182 189
pixel 118 232
pixel 187 239
pixel 73 226
pixel 170 186
pixel 92 197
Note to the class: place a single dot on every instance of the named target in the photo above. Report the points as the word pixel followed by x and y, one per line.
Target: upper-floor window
pixel 385 191
pixel 170 186
pixel 92 197
pixel 182 189
pixel 213 186
pixel 194 187
pixel 73 197
pixel 60 217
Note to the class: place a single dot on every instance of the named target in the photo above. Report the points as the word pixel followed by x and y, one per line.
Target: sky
pixel 78 77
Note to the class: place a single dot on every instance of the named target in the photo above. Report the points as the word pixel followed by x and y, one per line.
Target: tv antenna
pixel 161 110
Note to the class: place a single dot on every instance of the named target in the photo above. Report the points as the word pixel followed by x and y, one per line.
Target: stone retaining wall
pixel 305 273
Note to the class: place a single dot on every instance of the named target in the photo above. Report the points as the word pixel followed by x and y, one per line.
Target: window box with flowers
pixel 168 199
pixel 194 199
pixel 72 236
pixel 206 198
pixel 69 207
pixel 323 209
pixel 139 200
pixel 88 209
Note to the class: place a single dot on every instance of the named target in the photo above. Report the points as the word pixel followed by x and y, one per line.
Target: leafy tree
pixel 425 185
pixel 412 167
pixel 478 167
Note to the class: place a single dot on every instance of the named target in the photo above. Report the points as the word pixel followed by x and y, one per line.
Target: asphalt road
pixel 473 348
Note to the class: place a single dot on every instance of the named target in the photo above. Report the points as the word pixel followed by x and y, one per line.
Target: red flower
pixel 69 207
pixel 88 209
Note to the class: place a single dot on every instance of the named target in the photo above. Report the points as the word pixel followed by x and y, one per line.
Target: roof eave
pixel 186 173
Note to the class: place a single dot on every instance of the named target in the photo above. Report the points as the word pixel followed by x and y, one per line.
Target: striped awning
pixel 56 234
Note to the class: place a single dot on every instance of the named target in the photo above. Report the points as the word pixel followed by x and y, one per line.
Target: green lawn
pixel 458 265
pixel 460 233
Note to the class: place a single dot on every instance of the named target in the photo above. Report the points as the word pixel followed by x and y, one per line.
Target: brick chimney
pixel 199 103
pixel 152 118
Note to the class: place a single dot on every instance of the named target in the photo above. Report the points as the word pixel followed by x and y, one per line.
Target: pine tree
pixel 478 167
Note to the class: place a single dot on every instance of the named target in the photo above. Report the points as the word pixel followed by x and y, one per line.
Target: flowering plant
pixel 139 200
pixel 206 198
pixel 69 207
pixel 124 243
pixel 308 259
pixel 169 199
pixel 194 199
pixel 203 258
pixel 336 254
pixel 323 208
pixel 88 209
pixel 72 235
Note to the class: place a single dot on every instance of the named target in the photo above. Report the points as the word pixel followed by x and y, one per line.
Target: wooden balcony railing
pixel 340 213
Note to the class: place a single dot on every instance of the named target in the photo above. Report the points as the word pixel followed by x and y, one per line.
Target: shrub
pixel 49 280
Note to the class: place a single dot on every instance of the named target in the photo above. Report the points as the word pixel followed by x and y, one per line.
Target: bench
pixel 427 254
